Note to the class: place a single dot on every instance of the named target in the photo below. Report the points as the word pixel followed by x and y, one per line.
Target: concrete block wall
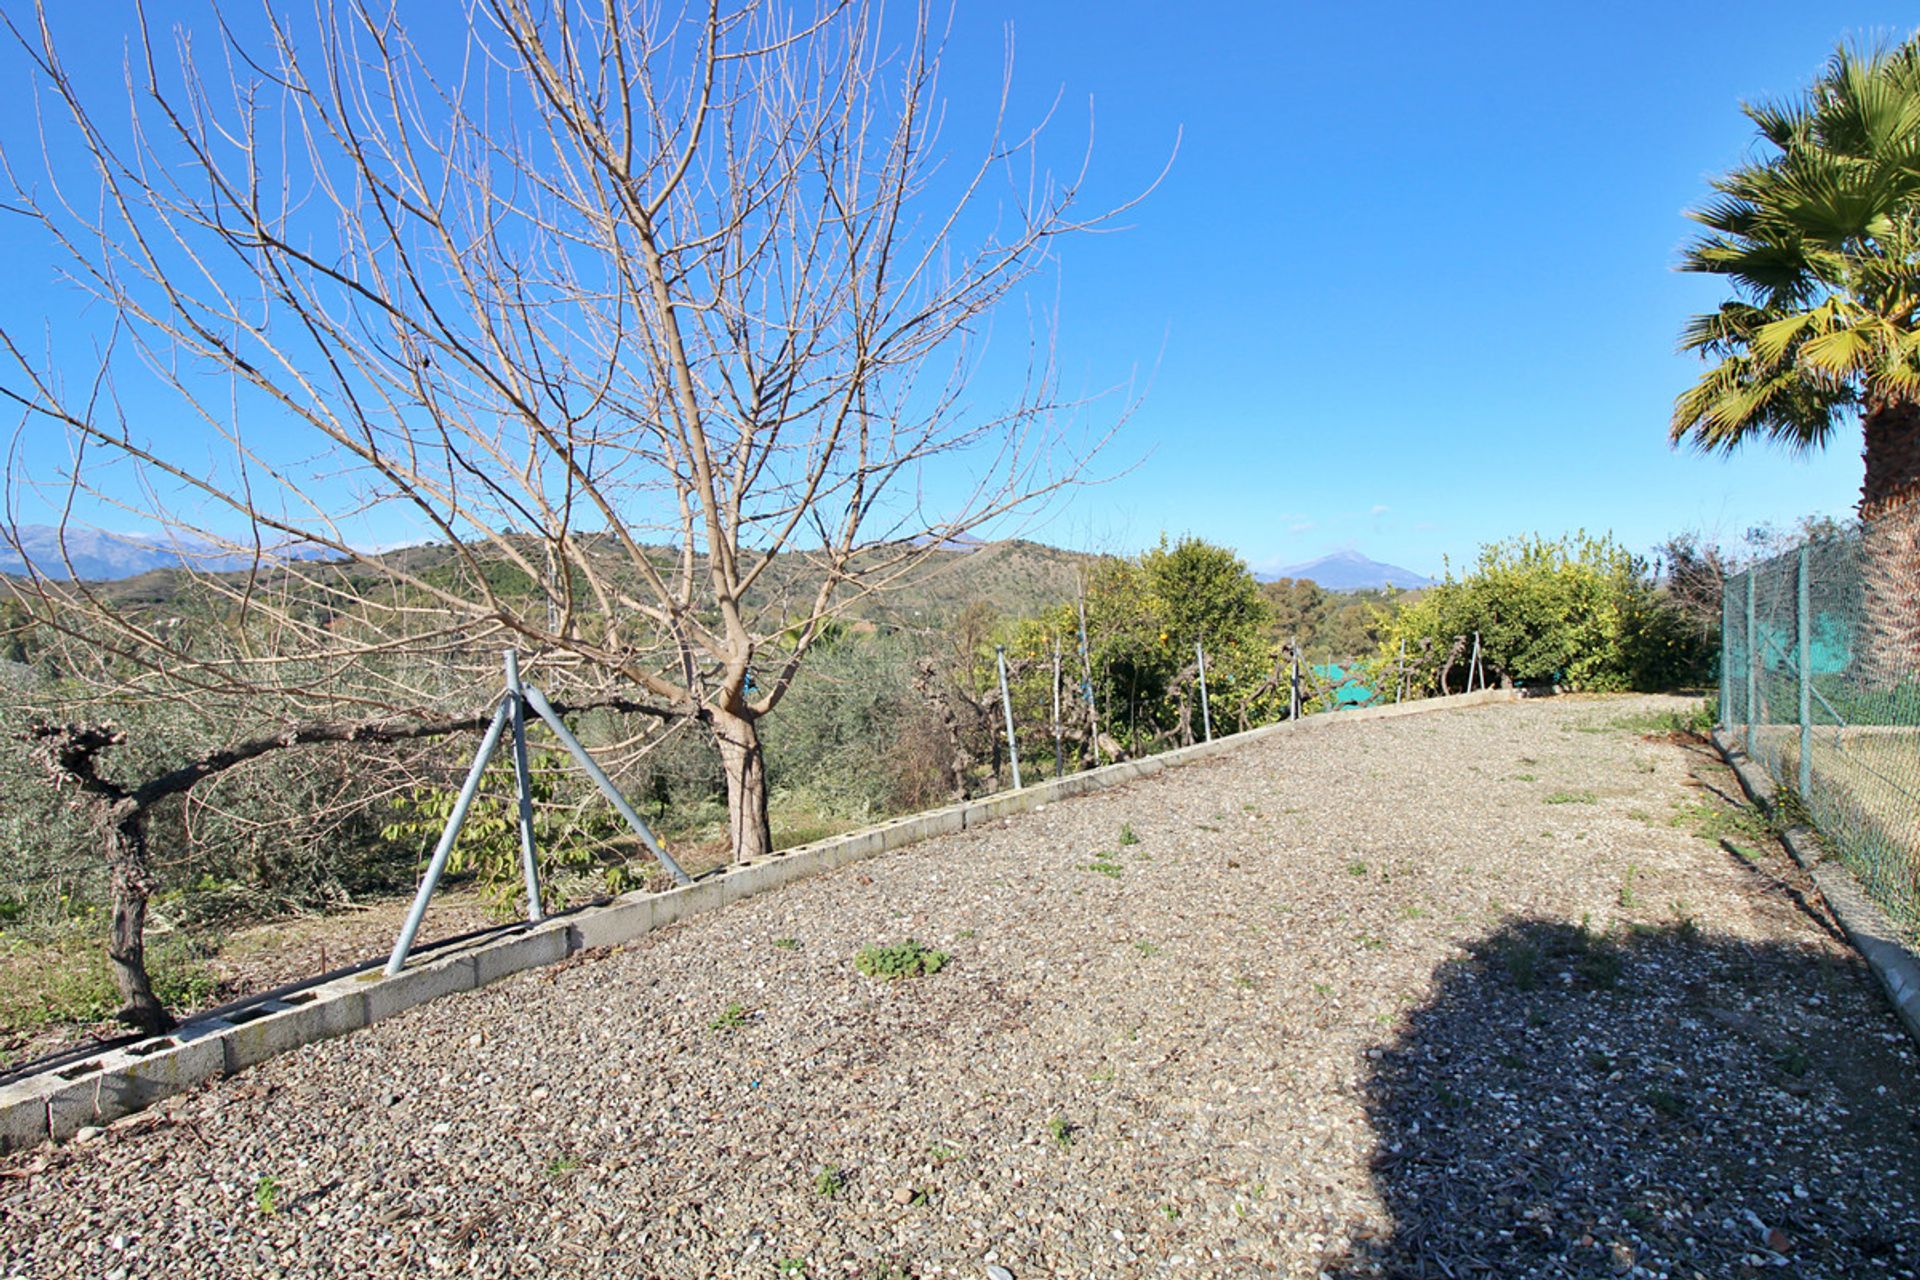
pixel 59 1103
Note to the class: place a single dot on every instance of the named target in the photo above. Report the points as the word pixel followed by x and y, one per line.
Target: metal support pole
pixel 1753 666
pixel 1086 678
pixel 1473 665
pixel 1206 715
pixel 1804 613
pixel 1006 705
pixel 544 709
pixel 1059 733
pixel 1726 657
pixel 455 820
pixel 1293 704
pixel 523 783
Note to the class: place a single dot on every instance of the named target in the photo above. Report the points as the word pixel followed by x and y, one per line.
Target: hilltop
pixel 1350 571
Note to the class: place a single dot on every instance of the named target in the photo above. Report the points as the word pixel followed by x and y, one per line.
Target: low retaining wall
pixel 1865 924
pixel 60 1102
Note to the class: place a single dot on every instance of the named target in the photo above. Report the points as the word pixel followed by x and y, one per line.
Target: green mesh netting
pixel 1820 681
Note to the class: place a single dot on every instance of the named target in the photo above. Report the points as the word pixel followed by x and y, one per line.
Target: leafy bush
pixel 1578 611
pixel 567 837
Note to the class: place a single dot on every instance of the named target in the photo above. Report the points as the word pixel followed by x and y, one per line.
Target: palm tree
pixel 1820 239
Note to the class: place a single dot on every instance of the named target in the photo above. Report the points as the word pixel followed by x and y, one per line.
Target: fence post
pixel 1059 732
pixel 1753 666
pixel 1206 716
pixel 523 784
pixel 1727 657
pixel 1086 676
pixel 1293 705
pixel 1803 612
pixel 1006 705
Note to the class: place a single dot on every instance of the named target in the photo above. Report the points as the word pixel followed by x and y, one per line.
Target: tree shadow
pixel 1653 1102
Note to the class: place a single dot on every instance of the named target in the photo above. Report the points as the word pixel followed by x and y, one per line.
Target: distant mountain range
pixel 1350 571
pixel 97 556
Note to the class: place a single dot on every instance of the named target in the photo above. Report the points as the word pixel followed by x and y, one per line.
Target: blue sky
pixel 1407 286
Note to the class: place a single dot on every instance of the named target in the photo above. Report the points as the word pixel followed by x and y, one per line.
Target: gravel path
pixel 1456 994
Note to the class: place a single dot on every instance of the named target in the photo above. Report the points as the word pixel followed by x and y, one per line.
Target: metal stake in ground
pixel 523 783
pixel 1006 705
pixel 1206 715
pixel 1803 610
pixel 1753 668
pixel 1059 733
pixel 455 821
pixel 1293 696
pixel 1086 677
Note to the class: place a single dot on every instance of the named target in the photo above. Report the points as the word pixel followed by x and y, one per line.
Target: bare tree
pixel 657 324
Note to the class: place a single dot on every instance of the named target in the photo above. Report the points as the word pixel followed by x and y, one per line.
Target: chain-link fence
pixel 1820 681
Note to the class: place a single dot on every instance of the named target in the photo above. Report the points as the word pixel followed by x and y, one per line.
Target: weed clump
pixel 901 960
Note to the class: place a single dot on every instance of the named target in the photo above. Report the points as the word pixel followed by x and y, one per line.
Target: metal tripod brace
pixel 513 714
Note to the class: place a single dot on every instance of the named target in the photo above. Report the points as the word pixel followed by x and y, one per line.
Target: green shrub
pixel 1578 611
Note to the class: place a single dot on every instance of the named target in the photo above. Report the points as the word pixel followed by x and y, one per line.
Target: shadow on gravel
pixel 1657 1102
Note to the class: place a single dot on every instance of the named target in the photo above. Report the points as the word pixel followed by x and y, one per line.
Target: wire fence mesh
pixel 1820 681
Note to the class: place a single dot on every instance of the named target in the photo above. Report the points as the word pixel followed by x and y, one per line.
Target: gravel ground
pixel 1457 994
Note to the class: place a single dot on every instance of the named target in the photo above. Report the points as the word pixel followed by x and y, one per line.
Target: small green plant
pixel 1323 988
pixel 1511 1061
pixel 1103 1075
pixel 1571 797
pixel 1686 928
pixel 1522 961
pixel 941 1153
pixel 731 1018
pixel 964 935
pixel 1061 1132
pixel 1626 889
pixel 1244 982
pixel 1451 1099
pixel 1356 868
pixel 1666 1102
pixel 1599 1061
pixel 1172 1211
pixel 787 944
pixel 1127 836
pixel 1146 948
pixel 560 1165
pixel 1105 867
pixel 1526 777
pixel 1412 912
pixel 900 961
pixel 795 1267
pixel 829 1182
pixel 1793 1060
pixel 266 1195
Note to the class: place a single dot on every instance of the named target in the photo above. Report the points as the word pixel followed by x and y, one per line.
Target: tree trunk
pixel 738 736
pixel 1890 544
pixel 133 883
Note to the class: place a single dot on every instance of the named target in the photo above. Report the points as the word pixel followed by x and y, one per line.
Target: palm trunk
pixel 738 735
pixel 1890 544
pixel 133 883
